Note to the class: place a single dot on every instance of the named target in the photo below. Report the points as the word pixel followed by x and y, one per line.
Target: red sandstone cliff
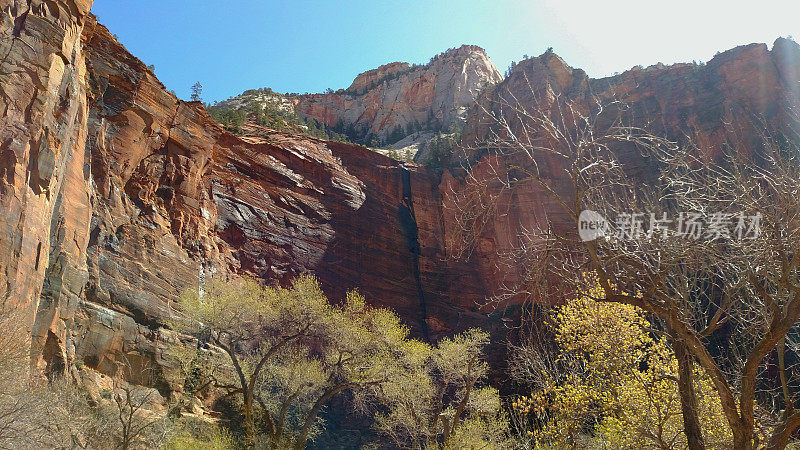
pixel 701 102
pixel 153 196
pixel 43 181
pixel 116 196
pixel 390 102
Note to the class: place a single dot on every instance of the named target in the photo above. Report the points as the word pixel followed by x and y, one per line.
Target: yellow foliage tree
pixel 615 384
pixel 441 400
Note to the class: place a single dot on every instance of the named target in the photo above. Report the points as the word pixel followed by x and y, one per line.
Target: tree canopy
pixel 284 353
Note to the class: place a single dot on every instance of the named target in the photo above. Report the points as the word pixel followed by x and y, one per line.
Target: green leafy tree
pixel 440 148
pixel 289 351
pixel 231 119
pixel 197 92
pixel 442 400
pixel 392 153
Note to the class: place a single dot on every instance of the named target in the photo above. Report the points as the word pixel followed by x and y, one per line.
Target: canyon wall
pixel 116 196
pixel 733 98
pixel 43 165
pixel 177 200
pixel 131 196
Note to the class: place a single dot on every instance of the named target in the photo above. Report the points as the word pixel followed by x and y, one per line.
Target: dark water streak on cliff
pixel 408 221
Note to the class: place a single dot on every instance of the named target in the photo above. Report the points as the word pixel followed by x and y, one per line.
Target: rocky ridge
pixel 396 100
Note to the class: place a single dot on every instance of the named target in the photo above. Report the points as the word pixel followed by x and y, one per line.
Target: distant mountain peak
pixel 395 100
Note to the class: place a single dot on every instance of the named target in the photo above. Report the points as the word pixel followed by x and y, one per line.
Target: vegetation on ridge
pixel 271 115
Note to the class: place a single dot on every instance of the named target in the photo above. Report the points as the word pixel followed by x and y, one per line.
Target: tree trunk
pixel 250 427
pixel 742 440
pixel 691 422
pixel 780 438
pixel 300 443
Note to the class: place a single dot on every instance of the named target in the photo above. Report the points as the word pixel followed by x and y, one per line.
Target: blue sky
pixel 308 46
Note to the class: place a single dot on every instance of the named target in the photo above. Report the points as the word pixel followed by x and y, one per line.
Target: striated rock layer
pixel 397 99
pixel 148 196
pixel 44 181
pixel 116 196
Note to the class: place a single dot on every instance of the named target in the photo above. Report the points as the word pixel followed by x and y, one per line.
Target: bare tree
pixel 36 412
pixel 136 410
pixel 727 302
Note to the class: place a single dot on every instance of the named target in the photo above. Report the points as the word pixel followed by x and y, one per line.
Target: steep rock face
pixel 288 204
pixel 704 103
pixel 392 101
pixel 43 177
pixel 172 199
pixel 151 230
pixel 371 78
